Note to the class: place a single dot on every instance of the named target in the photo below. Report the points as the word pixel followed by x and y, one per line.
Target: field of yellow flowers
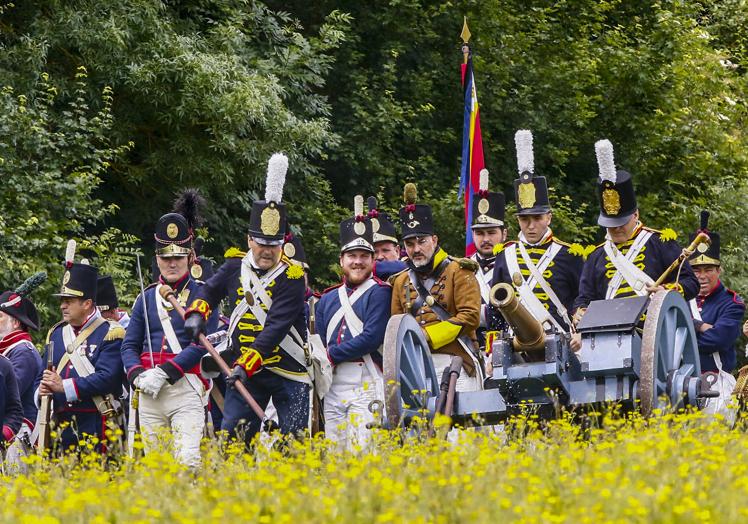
pixel 672 468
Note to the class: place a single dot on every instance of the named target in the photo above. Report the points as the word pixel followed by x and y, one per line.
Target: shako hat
pixel 707 253
pixel 175 231
pixel 488 206
pixel 615 188
pixel 294 250
pixel 356 232
pixel 416 220
pixel 267 222
pixel 202 268
pixel 106 294
pixel 78 280
pixel 530 191
pixel 382 227
pixel 17 305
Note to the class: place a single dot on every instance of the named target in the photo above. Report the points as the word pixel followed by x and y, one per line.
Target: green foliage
pixel 51 168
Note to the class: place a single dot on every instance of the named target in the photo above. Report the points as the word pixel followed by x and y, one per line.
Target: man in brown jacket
pixel 441 292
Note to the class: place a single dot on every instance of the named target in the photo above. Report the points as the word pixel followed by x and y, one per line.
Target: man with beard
pixel 267 329
pixel 489 233
pixel 352 318
pixel 544 270
pixel 441 292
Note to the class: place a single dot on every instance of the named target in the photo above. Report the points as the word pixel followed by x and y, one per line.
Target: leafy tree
pixel 51 169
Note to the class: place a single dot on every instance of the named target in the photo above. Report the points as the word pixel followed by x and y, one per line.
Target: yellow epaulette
pixel 588 250
pixel 294 271
pixel 234 252
pixel 116 332
pixel 577 250
pixel 498 248
pixel 49 333
pixel 665 234
pixel 467 263
pixel 558 241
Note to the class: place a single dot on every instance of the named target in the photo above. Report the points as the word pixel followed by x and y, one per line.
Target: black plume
pixel 704 220
pixel 188 204
pixel 371 203
pixel 31 283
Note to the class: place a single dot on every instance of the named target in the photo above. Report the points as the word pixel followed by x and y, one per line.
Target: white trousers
pixel 464 382
pixel 347 405
pixel 179 407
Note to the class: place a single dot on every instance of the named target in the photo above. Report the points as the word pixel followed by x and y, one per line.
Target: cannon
pixel 638 352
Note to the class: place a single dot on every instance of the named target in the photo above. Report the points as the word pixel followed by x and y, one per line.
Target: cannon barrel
pixel 529 334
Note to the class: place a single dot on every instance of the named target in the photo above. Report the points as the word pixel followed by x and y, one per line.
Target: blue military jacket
pixel 657 254
pixel 562 274
pixel 135 352
pixel 724 310
pixel 373 308
pixel 11 412
pixel 28 367
pixel 102 348
pixel 288 310
pixel 384 269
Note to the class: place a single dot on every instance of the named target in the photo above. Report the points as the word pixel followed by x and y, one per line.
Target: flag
pixel 472 149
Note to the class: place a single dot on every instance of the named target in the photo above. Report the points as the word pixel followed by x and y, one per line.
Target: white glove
pixel 151 381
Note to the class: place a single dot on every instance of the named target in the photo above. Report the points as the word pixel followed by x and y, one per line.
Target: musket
pixel 168 294
pixel 687 252
pixel 145 311
pixel 45 408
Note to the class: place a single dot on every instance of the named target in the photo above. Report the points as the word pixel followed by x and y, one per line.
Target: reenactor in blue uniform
pixel 159 358
pixel 108 302
pixel 351 320
pixel 633 256
pixel 441 292
pixel 386 246
pixel 718 311
pixel 544 270
pixel 268 327
pixel 88 373
pixel 18 316
pixel 11 410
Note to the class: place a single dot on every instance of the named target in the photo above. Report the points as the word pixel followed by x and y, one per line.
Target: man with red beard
pixel 351 320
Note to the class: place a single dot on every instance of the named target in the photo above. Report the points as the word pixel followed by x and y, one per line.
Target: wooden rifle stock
pixel 45 408
pixel 168 294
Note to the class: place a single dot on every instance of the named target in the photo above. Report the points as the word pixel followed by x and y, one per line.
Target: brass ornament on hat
pixel 483 206
pixel 270 221
pixel 611 201
pixel 172 230
pixel 66 278
pixel 359 228
pixel 526 194
pixel 289 250
pixel 374 225
pixel 196 271
pixel 702 248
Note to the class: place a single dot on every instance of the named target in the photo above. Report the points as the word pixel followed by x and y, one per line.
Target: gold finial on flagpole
pixel 465 35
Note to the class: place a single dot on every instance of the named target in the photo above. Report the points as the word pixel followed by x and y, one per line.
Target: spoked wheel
pixel 409 375
pixel 670 370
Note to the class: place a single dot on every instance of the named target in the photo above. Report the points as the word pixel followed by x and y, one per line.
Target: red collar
pixel 13 338
pixel 179 284
pixel 716 286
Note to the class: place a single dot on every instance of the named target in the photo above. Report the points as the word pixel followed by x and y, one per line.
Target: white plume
pixel 358 205
pixel 605 161
pixel 483 183
pixel 525 157
pixel 70 252
pixel 277 167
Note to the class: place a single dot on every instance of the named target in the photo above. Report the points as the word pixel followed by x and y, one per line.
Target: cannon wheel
pixel 409 375
pixel 669 349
